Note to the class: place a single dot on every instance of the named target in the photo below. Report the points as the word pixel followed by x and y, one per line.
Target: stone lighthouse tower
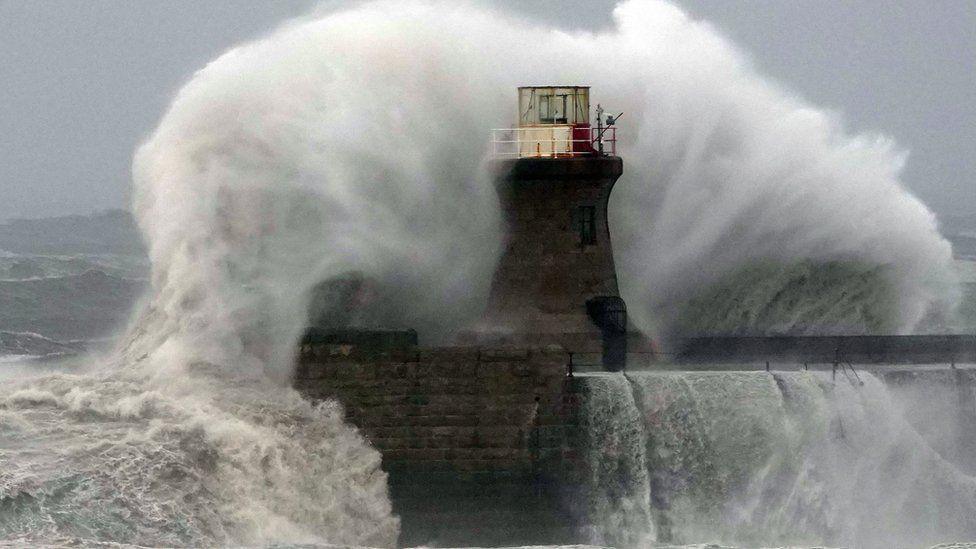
pixel 556 281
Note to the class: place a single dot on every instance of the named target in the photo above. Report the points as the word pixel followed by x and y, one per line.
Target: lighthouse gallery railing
pixel 552 141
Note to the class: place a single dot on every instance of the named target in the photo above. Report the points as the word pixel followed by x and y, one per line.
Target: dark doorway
pixel 609 313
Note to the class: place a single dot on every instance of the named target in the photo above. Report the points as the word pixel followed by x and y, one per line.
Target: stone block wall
pixel 474 438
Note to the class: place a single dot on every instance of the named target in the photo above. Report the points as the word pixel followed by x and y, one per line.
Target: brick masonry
pixel 474 439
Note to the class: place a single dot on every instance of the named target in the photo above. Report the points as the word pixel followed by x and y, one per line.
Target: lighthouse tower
pixel 556 281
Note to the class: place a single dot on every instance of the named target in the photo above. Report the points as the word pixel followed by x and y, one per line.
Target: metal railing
pixel 586 362
pixel 557 141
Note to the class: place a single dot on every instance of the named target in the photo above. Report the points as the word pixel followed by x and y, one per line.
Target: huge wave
pixel 355 141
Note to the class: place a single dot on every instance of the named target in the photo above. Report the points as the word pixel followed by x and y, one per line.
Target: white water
pixel 355 141
pixel 196 461
pixel 618 479
pixel 753 459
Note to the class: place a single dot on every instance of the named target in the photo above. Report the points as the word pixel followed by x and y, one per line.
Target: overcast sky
pixel 83 81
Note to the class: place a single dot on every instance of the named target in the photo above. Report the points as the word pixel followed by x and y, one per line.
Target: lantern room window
pixel 554 105
pixel 552 109
pixel 545 114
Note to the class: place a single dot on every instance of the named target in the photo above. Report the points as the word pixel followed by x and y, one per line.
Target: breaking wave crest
pixel 200 461
pixel 803 298
pixel 355 143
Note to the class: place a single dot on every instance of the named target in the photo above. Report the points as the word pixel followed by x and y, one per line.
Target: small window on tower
pixel 586 224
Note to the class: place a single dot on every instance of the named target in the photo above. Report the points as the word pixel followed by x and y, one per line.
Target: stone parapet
pixel 475 439
pixel 459 409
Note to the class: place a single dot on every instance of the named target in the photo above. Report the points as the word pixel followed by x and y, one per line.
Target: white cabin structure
pixel 554 105
pixel 553 122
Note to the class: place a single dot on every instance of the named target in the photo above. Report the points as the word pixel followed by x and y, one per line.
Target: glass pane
pixel 559 108
pixel 544 115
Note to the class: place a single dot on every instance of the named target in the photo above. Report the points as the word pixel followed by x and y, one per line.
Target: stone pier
pixel 475 439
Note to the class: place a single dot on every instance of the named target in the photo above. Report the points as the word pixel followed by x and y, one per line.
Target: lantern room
pixel 553 122
pixel 568 105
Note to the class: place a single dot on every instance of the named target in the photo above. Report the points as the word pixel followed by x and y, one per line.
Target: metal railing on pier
pixel 838 362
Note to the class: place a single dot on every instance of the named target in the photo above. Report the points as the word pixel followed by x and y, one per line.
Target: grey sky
pixel 82 81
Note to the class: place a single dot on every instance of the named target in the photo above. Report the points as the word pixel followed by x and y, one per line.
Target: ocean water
pixel 203 460
pixel 56 305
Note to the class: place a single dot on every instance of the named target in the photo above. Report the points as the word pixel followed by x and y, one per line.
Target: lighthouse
pixel 556 282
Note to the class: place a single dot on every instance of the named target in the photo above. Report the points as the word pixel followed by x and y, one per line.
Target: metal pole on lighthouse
pixel 599 128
